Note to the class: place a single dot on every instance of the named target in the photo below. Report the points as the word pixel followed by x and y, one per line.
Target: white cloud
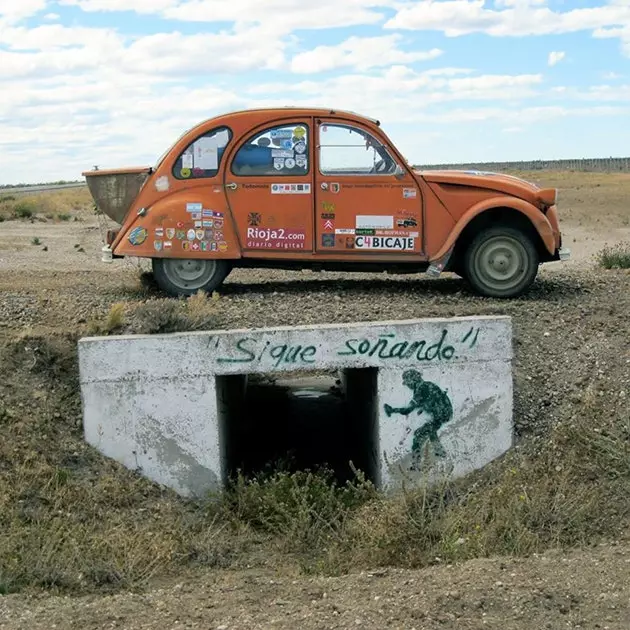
pixel 74 96
pixel 279 16
pixel 399 93
pixel 58 49
pixel 622 33
pixel 611 76
pixel 12 11
pixel 601 93
pixel 513 18
pixel 519 3
pixel 446 72
pixel 555 57
pixel 361 53
pixel 137 6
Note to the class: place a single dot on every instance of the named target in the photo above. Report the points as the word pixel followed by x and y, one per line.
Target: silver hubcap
pixel 189 274
pixel 501 262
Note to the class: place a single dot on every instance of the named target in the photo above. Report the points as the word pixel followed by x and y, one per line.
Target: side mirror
pixel 399 172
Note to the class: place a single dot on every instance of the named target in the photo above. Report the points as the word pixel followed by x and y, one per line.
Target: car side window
pixel 202 157
pixel 280 150
pixel 350 150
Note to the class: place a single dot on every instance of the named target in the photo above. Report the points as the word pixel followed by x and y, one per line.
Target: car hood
pixel 506 184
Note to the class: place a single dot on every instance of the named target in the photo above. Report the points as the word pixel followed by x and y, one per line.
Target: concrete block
pixel 435 422
pixel 434 396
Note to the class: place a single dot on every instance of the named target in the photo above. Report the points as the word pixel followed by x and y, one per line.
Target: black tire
pixel 501 262
pixel 184 276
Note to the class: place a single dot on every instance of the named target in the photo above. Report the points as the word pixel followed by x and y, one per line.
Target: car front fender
pixel 537 219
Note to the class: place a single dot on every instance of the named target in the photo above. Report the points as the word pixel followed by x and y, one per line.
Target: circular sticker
pixel 185 172
pixel 289 163
pixel 223 247
pixel 299 132
pixel 300 147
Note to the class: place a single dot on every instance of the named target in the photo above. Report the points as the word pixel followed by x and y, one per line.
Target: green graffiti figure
pixel 428 398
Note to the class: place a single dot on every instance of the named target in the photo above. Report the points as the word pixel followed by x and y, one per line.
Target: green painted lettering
pixel 240 346
pixel 277 353
pixel 364 346
pixel 379 346
pixel 416 346
pixel 307 353
pixel 435 349
pixel 260 356
pixel 350 348
pixel 293 354
pixel 398 350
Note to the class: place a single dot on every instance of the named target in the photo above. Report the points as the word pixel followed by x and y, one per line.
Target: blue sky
pixel 115 82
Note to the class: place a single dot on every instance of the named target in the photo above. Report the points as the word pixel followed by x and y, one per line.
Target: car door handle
pixel 231 186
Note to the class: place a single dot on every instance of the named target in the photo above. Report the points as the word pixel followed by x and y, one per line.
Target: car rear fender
pixel 535 217
pixel 170 212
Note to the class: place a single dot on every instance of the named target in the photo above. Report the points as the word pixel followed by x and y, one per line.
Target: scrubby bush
pixel 24 209
pixel 615 257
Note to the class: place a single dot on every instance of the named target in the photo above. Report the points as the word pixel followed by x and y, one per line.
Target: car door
pixel 367 202
pixel 269 189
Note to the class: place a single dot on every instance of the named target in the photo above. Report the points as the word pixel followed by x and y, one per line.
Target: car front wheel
pixel 501 262
pixel 183 277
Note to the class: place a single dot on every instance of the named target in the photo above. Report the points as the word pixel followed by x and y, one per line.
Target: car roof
pixel 324 111
pixel 306 111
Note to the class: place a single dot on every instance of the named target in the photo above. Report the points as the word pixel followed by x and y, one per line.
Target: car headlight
pixel 548 196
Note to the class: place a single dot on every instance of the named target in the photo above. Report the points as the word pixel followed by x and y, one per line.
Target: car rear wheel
pixel 501 262
pixel 182 277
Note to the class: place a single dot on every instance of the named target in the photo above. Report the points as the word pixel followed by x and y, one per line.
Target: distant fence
pixel 602 165
pixel 588 164
pixel 37 188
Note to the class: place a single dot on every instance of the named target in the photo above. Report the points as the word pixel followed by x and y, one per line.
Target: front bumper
pixel 562 253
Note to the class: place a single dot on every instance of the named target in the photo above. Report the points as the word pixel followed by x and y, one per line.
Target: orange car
pixel 298 188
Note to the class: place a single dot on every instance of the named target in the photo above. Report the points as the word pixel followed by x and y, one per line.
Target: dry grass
pixel 598 199
pixel 113 322
pixel 615 257
pixel 75 521
pixel 160 316
pixel 594 200
pixel 55 205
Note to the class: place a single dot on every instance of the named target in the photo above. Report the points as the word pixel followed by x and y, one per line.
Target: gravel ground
pixel 572 341
pixel 570 330
pixel 588 589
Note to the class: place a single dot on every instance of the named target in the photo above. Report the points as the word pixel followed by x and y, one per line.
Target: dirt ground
pixel 572 336
pixel 587 589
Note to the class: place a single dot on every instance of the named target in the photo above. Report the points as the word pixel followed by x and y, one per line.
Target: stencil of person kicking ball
pixel 430 399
